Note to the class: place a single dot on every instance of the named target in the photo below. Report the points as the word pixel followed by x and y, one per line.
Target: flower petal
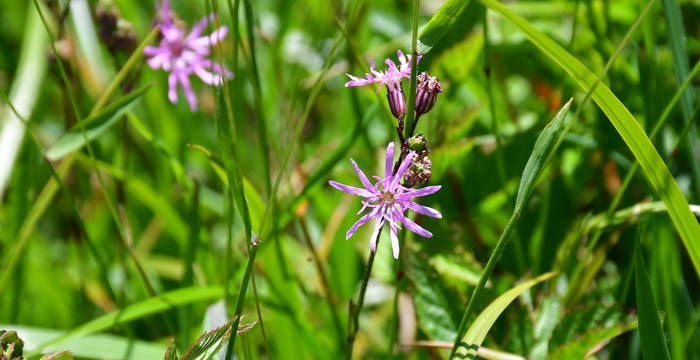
pixel 184 79
pixel 363 178
pixel 389 162
pixel 410 225
pixel 172 87
pixel 419 192
pixel 350 189
pixel 375 234
pixel 356 225
pixel 394 241
pixel 402 169
pixel 422 209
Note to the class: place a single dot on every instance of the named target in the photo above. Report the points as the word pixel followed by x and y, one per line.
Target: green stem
pixel 241 298
pixel 410 114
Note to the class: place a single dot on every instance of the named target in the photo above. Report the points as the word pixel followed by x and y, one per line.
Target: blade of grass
pixel 476 334
pixel 653 166
pixel 653 341
pixel 24 94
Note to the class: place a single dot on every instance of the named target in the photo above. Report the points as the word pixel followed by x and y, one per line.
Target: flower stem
pixel 354 314
pixel 410 111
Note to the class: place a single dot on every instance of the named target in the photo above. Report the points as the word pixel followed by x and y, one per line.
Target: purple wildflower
pixel 388 200
pixel 391 77
pixel 184 54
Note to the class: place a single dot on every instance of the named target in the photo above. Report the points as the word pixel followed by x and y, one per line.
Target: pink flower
pixel 184 54
pixel 388 200
pixel 392 76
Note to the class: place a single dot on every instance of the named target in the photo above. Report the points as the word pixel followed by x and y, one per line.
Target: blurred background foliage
pixel 499 93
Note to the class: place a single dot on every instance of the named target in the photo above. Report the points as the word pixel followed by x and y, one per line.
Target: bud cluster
pixel 419 172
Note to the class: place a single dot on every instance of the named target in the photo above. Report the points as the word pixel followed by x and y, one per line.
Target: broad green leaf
pixel 139 310
pixel 105 119
pixel 477 331
pixel 582 347
pixel 653 342
pixel 93 346
pixel 626 125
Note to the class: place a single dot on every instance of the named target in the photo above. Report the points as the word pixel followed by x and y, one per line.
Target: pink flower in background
pixel 183 54
pixel 388 200
pixel 392 76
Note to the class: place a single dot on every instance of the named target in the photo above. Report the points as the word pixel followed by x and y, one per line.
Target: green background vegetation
pixel 152 222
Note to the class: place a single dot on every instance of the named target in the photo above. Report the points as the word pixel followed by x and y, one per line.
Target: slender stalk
pixel 354 314
pixel 493 259
pixel 410 111
pixel 241 298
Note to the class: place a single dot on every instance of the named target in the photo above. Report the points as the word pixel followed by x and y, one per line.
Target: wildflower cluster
pixel 387 200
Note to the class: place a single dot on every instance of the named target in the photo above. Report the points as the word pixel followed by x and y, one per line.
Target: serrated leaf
pixel 74 139
pixel 477 332
pixel 209 343
pixel 171 353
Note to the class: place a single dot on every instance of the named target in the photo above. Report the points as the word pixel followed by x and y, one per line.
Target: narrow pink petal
pixel 206 76
pixel 375 234
pixel 389 162
pixel 350 189
pixel 422 209
pixel 363 178
pixel 356 225
pixel 394 241
pixel 187 89
pixel 198 28
pixel 402 169
pixel 410 225
pixel 419 192
pixel 172 87
pixel 212 39
pixel 157 61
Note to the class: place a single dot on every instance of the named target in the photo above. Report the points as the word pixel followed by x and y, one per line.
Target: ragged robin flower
pixel 183 54
pixel 388 200
pixel 391 78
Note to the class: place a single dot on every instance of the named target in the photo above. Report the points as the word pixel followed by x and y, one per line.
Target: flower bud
pixel 417 143
pixel 397 100
pixel 419 172
pixel 427 89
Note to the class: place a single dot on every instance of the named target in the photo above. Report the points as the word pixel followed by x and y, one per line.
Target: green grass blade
pixel 74 139
pixel 651 333
pixel 139 310
pixel 454 15
pixel 654 168
pixel 476 334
